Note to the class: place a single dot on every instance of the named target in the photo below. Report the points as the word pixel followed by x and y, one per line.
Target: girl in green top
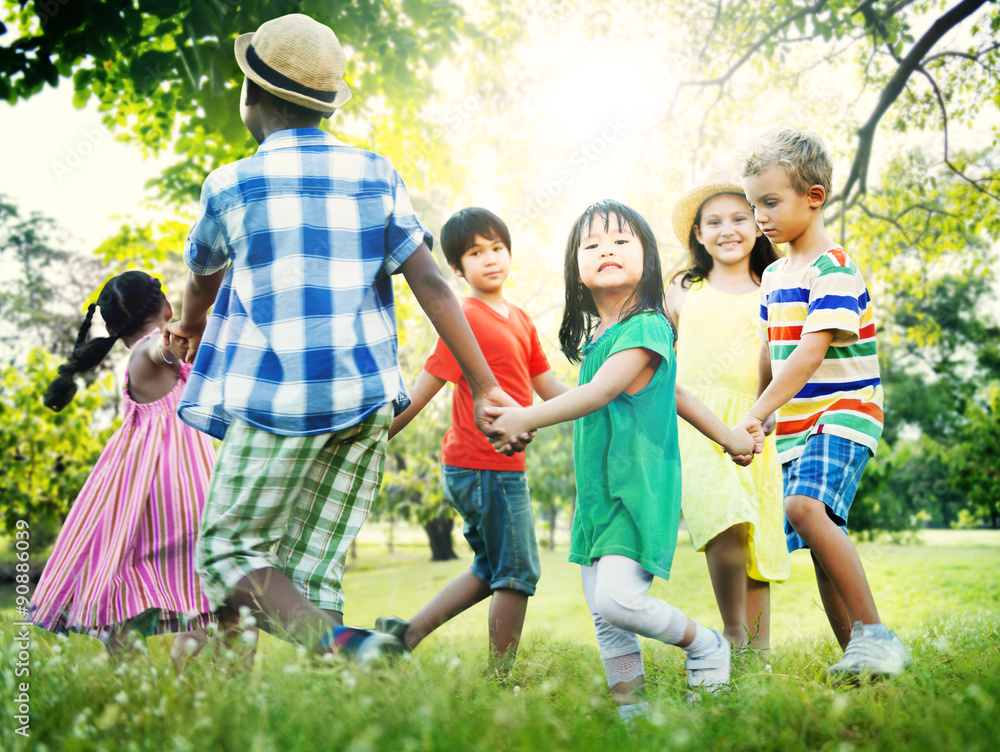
pixel 625 448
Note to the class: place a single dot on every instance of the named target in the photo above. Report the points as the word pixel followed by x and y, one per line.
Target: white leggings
pixel 615 588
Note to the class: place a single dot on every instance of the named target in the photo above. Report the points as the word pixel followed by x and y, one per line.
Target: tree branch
pixel 715 25
pixel 944 122
pixel 894 221
pixel 858 174
pixel 965 55
pixel 761 42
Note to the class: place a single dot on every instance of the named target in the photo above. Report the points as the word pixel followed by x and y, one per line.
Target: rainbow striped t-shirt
pixel 844 395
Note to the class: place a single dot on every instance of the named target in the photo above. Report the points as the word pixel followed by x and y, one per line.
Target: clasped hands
pixel 755 432
pixel 493 403
pixel 182 340
pixel 509 432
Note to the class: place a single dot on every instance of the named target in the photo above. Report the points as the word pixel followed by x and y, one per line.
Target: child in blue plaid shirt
pixel 296 368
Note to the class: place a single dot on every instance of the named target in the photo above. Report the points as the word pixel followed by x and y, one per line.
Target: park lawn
pixel 942 595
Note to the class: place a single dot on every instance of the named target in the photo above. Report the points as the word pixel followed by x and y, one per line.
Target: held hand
pixel 770 423
pixel 185 339
pixel 484 407
pixel 509 428
pixel 748 439
pixel 174 345
pixel 756 431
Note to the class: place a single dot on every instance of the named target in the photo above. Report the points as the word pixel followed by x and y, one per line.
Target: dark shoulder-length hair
pixel 580 314
pixel 700 261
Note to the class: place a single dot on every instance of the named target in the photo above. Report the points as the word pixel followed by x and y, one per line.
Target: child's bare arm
pixel 423 391
pixel 199 297
pixel 445 313
pixel 734 441
pixel 795 373
pixel 616 374
pixel 547 386
pixel 763 379
pixel 673 301
pixel 764 368
pixel 152 370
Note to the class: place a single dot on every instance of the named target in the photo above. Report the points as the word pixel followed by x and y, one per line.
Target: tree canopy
pixel 928 66
pixel 165 76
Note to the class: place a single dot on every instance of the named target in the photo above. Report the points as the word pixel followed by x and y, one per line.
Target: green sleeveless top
pixel 628 468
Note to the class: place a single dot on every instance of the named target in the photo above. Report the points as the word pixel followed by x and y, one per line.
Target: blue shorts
pixel 499 525
pixel 828 470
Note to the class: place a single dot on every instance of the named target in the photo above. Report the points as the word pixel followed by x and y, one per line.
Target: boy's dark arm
pixel 199 297
pixel 445 313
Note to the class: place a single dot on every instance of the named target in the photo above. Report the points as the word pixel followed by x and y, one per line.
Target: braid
pixel 85 356
pixel 85 327
pixel 114 300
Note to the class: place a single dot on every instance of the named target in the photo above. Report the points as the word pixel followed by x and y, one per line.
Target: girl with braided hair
pixel 123 564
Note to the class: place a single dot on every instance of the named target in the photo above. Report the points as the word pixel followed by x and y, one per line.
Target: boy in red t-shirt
pixel 489 490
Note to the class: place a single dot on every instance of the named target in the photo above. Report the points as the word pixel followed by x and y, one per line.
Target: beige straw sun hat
pixel 686 208
pixel 297 59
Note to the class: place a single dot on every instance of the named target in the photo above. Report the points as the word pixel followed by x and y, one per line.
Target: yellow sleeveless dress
pixel 717 353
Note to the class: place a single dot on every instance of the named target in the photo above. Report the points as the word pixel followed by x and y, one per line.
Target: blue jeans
pixel 499 526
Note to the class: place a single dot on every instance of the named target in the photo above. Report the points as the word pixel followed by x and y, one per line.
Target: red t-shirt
pixel 514 354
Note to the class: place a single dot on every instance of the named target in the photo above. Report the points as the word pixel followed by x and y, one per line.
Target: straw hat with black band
pixel 686 208
pixel 297 59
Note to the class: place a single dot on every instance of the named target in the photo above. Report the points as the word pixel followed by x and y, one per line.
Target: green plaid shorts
pixel 295 503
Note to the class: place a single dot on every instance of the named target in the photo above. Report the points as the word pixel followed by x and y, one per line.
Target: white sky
pixel 62 162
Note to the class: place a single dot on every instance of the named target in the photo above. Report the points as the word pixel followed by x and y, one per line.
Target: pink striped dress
pixel 126 549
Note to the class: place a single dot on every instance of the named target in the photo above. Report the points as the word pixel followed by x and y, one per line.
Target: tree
pixel 908 485
pixel 45 286
pixel 45 457
pixel 929 68
pixel 165 75
pixel 974 469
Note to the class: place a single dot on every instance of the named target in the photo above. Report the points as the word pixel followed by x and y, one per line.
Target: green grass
pixel 941 593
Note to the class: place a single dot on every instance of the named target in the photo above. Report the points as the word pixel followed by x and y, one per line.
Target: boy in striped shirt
pixel 819 371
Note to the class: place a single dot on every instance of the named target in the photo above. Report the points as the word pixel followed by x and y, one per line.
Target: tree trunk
pixel 552 526
pixel 439 536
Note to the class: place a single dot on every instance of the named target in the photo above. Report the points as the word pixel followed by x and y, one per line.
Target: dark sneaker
pixel 392 625
pixel 365 646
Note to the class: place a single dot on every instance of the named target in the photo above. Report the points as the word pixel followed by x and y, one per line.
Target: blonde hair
pixel 802 153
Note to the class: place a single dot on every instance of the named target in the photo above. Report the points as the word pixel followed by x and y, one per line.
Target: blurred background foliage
pixel 459 95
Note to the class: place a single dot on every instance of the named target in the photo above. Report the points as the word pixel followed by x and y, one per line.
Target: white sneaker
pixel 871 653
pixel 709 672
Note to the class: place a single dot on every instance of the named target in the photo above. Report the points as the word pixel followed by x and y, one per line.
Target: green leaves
pixel 45 457
pixel 166 70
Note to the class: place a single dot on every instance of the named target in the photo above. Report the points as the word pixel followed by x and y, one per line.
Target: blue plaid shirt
pixel 302 338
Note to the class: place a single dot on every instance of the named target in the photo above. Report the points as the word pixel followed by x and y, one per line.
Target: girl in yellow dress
pixel 732 513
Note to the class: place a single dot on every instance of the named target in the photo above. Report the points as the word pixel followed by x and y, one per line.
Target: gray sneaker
pixel 709 672
pixel 876 655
